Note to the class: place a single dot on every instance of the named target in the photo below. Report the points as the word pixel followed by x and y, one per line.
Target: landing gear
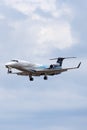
pixel 9 70
pixel 45 77
pixel 31 78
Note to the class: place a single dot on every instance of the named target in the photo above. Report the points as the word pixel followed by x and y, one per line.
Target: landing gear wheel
pixel 45 78
pixel 31 78
pixel 9 71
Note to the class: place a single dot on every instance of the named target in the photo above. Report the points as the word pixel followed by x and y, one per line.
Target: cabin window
pixel 14 60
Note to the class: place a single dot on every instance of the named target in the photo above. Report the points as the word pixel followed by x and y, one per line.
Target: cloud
pixel 2 17
pixel 28 7
pixel 36 100
pixel 38 31
pixel 56 35
pixel 51 6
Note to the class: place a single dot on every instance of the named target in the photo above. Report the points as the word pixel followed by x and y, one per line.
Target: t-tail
pixel 60 60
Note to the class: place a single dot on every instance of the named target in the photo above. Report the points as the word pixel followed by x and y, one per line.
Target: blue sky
pixel 37 30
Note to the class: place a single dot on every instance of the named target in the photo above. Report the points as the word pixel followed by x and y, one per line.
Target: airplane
pixel 26 68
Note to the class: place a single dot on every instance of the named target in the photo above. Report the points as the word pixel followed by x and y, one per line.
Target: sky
pixel 37 30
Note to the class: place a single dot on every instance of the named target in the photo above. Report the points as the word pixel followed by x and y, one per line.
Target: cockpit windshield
pixel 14 60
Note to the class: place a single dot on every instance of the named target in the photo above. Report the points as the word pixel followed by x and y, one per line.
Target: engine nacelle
pixel 53 66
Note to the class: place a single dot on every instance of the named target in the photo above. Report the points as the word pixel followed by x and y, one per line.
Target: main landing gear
pixel 45 77
pixel 31 78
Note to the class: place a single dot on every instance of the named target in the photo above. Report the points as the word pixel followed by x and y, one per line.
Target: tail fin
pixel 60 60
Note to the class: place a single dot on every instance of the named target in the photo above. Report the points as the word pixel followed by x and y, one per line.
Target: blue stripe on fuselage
pixel 47 67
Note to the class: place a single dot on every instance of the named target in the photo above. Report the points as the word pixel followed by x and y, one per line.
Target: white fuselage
pixel 24 65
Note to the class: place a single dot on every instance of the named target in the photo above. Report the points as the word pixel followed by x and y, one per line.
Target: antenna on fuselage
pixel 60 60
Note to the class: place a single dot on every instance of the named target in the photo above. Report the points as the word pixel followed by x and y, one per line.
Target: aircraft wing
pixel 55 71
pixel 25 72
pixel 66 69
pixel 45 71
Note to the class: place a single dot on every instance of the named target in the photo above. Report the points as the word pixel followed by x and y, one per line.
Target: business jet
pixel 25 68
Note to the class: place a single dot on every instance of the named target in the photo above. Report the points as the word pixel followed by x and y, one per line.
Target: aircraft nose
pixel 7 65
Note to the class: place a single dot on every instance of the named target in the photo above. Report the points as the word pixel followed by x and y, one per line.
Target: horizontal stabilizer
pixel 62 58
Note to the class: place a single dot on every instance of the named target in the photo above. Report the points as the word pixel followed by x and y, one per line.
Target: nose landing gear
pixel 9 70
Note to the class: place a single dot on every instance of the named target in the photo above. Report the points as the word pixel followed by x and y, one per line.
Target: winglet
pixel 79 65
